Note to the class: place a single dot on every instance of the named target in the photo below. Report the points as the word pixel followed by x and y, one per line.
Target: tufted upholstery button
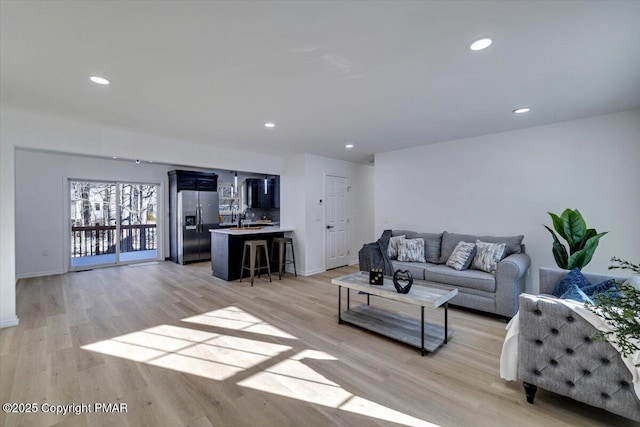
pixel 604 360
pixel 539 342
pixel 554 331
pixel 624 384
pixel 537 373
pixel 554 362
pixel 587 339
pixel 586 372
pixel 570 383
pixel 570 319
pixel 604 395
pixel 537 312
pixel 569 351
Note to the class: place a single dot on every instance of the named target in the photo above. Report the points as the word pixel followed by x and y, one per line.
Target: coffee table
pixel 395 325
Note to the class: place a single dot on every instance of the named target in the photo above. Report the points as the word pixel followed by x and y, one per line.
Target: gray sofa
pixel 476 289
pixel 556 352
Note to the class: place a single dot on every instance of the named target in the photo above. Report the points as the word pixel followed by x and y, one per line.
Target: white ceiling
pixel 381 75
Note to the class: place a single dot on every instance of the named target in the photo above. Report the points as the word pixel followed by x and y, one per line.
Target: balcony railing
pixel 101 239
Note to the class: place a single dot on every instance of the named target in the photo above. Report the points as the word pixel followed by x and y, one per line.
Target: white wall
pixel 504 184
pixel 7 235
pixel 361 208
pixel 309 172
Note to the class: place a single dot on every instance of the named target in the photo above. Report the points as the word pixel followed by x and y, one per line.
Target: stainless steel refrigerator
pixel 193 214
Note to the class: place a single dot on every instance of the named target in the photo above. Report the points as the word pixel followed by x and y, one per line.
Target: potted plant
pixel 582 241
pixel 621 310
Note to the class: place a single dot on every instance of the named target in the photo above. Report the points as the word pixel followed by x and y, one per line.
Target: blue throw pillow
pixel 576 294
pixel 607 285
pixel 574 277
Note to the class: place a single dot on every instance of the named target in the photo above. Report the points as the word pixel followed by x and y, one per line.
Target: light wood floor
pixel 181 347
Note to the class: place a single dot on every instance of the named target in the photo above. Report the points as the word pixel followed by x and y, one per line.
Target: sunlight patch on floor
pixel 294 379
pixel 190 351
pixel 219 357
pixel 238 320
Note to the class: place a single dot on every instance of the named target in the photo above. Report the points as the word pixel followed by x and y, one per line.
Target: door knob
pixel 329 226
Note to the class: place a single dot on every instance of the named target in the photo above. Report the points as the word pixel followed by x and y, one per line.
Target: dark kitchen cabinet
pixel 257 197
pixel 190 180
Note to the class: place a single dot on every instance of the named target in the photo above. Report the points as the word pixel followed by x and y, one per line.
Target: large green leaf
pixel 589 234
pixel 559 251
pixel 582 257
pixel 558 224
pixel 574 228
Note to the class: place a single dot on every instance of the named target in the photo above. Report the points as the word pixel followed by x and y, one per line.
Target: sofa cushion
pixel 466 278
pixel 576 294
pixel 432 242
pixel 411 250
pixel 488 256
pixel 394 242
pixel 574 277
pixel 450 240
pixel 607 285
pixel 462 256
pixel 415 268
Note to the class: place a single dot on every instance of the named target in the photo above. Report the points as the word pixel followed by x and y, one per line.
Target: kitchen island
pixel 227 245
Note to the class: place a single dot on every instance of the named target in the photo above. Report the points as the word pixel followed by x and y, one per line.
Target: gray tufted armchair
pixel 557 353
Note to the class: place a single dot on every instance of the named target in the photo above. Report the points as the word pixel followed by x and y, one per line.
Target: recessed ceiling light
pixel 99 80
pixel 115 157
pixel 480 44
pixel 348 146
pixel 269 125
pixel 522 110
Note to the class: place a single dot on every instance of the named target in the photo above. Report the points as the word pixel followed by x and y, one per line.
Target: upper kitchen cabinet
pixel 191 180
pixel 263 193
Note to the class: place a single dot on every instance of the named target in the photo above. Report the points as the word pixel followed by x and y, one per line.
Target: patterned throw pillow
pixel 605 286
pixel 411 250
pixel 462 256
pixel 392 249
pixel 576 294
pixel 574 277
pixel 488 256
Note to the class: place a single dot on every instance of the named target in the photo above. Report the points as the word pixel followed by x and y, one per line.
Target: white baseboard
pixel 8 322
pixel 311 272
pixel 39 274
pixel 353 262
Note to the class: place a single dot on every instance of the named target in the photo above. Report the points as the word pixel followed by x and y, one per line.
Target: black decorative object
pixel 376 277
pixel 402 280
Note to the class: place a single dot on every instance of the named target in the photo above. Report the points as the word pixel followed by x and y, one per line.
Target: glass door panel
pixel 93 223
pixel 138 237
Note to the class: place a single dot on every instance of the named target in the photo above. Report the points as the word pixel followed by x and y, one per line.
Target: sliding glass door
pixel 138 221
pixel 112 223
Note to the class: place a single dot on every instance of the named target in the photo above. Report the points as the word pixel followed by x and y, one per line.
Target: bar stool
pixel 282 260
pixel 254 247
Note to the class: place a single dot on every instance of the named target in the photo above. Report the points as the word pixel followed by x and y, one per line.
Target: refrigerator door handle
pixel 197 218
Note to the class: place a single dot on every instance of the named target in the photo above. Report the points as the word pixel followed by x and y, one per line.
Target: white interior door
pixel 337 225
